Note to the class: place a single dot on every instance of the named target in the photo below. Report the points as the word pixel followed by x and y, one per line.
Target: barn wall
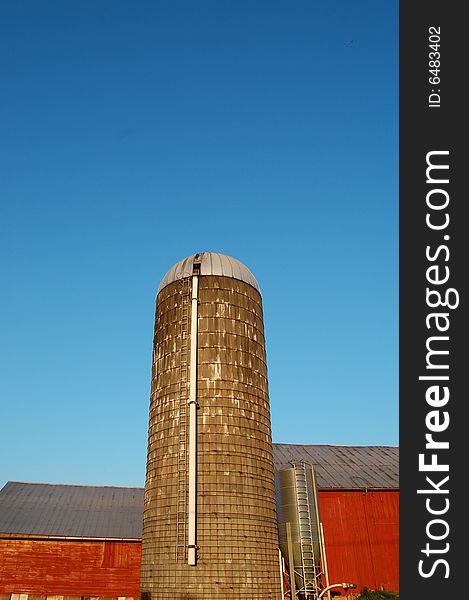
pixel 70 568
pixel 361 532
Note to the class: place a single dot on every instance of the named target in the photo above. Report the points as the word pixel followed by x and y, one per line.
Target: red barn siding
pixel 70 568
pixel 361 532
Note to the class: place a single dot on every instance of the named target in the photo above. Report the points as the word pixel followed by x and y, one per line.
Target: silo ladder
pixel 309 562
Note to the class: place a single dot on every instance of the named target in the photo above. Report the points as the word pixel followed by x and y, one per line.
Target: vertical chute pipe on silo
pixel 192 500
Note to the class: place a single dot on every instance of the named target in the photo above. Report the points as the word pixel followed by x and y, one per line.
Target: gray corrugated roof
pixel 71 510
pixel 117 512
pixel 345 467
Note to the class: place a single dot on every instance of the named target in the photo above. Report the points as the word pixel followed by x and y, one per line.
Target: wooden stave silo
pixel 236 510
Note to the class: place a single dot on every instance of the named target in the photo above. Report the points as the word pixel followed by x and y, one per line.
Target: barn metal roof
pixel 42 509
pixel 344 467
pixel 211 263
pixel 78 511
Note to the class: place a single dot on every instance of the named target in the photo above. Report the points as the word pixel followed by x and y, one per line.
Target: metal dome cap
pixel 211 263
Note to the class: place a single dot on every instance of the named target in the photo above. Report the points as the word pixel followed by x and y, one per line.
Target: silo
pixel 210 528
pixel 299 527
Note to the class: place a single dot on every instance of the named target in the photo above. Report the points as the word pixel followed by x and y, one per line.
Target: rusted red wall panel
pixel 361 532
pixel 70 568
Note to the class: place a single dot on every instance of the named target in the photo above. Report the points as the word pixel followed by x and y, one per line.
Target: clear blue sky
pixel 136 133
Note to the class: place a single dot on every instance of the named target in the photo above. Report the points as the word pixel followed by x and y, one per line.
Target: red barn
pixel 70 540
pixel 66 542
pixel 358 489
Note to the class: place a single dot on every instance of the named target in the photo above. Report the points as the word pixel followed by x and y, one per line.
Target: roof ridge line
pixel 89 485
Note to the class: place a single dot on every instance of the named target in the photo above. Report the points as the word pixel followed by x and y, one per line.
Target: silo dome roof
pixel 211 263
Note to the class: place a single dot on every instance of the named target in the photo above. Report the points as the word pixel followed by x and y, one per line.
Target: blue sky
pixel 135 134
